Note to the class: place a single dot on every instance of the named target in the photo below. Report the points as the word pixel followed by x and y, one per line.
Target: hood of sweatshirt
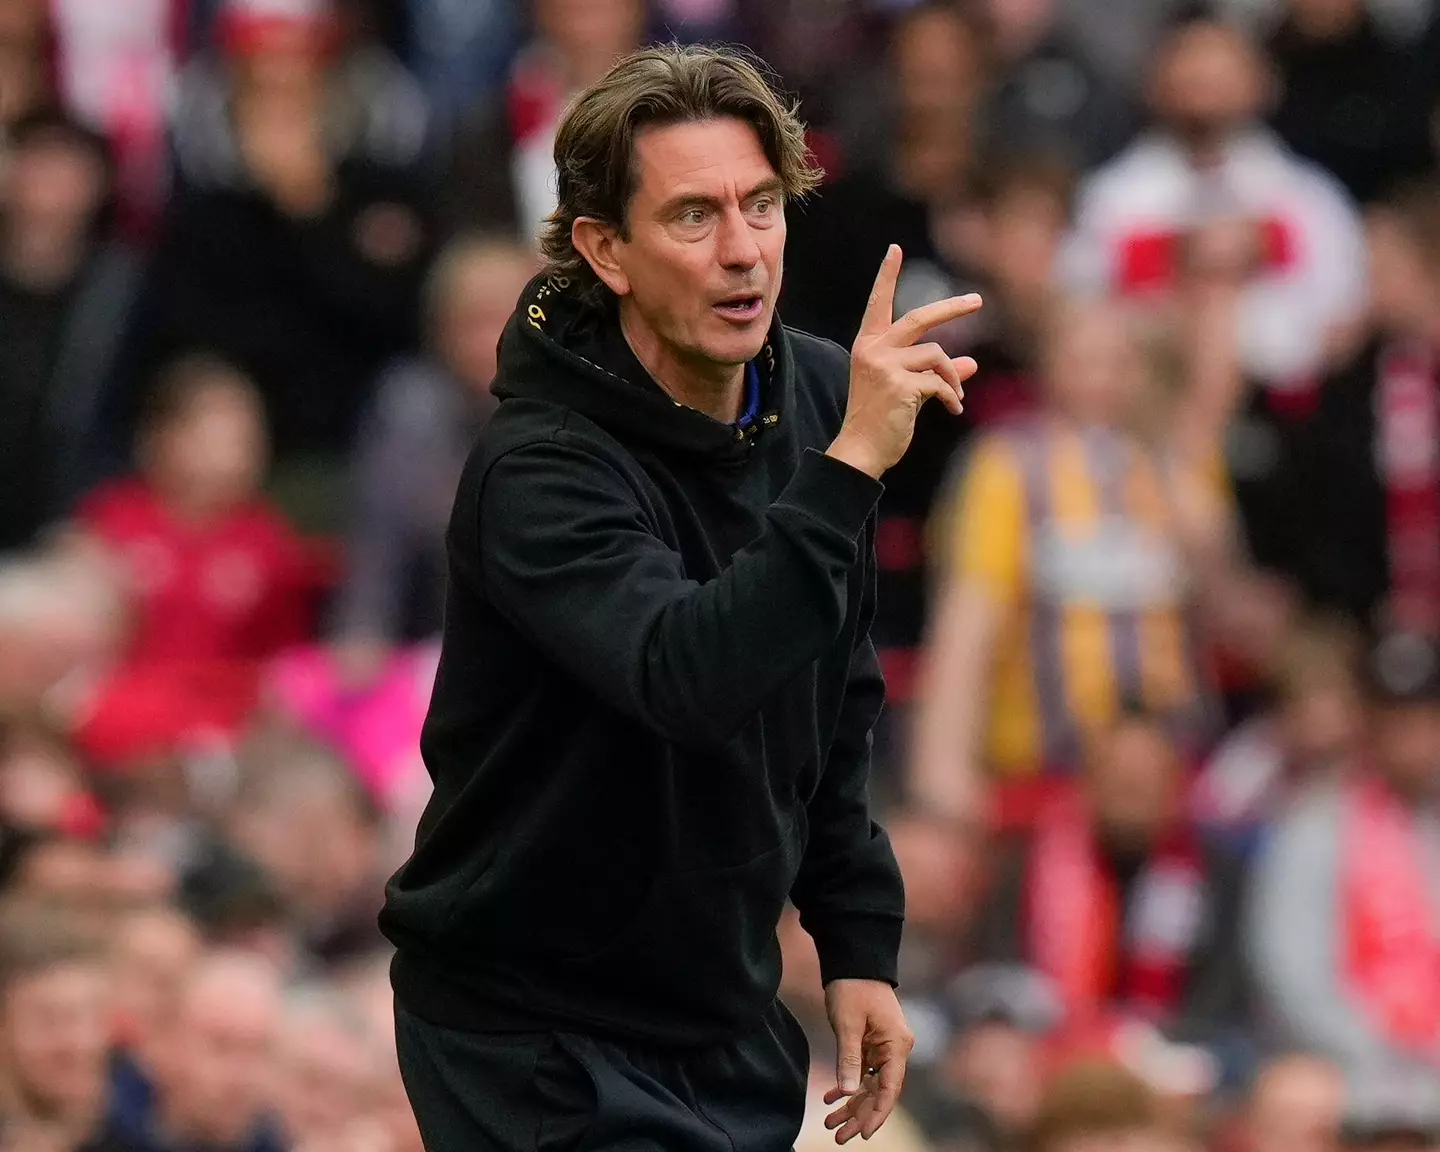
pixel 568 351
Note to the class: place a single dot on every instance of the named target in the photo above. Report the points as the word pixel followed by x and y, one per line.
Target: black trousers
pixel 567 1092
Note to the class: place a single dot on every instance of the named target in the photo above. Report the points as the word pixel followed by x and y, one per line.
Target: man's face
pixel 999 1067
pixel 1132 787
pixel 702 265
pixel 328 1073
pixel 56 1032
pixel 1407 746
pixel 56 184
pixel 1209 82
pixel 1296 1107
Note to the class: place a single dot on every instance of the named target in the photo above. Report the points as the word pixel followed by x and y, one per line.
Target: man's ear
pixel 597 242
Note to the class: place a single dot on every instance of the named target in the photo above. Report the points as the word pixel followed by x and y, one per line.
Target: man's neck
pixel 718 390
pixel 41 262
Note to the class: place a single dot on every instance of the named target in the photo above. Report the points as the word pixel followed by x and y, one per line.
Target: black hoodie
pixel 651 721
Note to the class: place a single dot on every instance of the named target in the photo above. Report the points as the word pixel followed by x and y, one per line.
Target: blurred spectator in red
pixel 214 1071
pixel 300 262
pixel 1119 902
pixel 54 1033
pixel 1314 731
pixel 1296 1104
pixel 502 175
pixel 65 297
pixel 24 64
pixel 1370 542
pixel 1049 100
pixel 1069 559
pixel 116 65
pixel 413 444
pixel 1342 928
pixel 287 59
pixel 1353 98
pixel 1208 159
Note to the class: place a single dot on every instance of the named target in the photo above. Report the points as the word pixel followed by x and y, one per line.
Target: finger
pixel 892 1076
pixel 880 311
pixel 851 1129
pixel 965 366
pixel 843 1113
pixel 833 1095
pixel 934 358
pixel 932 384
pixel 848 1064
pixel 918 321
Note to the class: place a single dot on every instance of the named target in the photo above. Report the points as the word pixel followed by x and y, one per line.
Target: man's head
pixel 1092 363
pixel 1133 782
pixel 54 1012
pixel 1095 1107
pixel 1320 701
pixel 328 1064
pixel 1403 241
pixel 588 36
pixel 215 1068
pixel 1026 205
pixel 470 295
pixel 1403 677
pixel 155 949
pixel 57 188
pixel 1209 80
pixel 1296 1105
pixel 204 441
pixel 674 171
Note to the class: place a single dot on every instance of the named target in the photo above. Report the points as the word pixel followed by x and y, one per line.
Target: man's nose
pixel 738 249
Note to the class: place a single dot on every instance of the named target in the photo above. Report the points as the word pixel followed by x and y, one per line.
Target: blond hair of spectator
pixel 670 84
pixel 1093 1101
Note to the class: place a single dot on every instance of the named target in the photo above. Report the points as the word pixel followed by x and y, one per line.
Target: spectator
pixel 326 1065
pixel 1206 159
pixel 300 263
pixel 1098 1108
pixel 1370 542
pixel 24 73
pixel 214 1067
pixel 1341 929
pixel 1313 732
pixel 1118 902
pixel 1064 580
pixel 54 1032
pixel 414 441
pixel 502 175
pixel 65 296
pixel 1353 98
pixel 1295 1105
pixel 1050 100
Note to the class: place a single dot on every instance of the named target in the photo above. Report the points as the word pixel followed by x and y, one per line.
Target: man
pixel 1296 1104
pixel 1341 931
pixel 651 721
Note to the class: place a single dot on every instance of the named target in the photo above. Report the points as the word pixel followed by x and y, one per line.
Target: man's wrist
pixel 856 452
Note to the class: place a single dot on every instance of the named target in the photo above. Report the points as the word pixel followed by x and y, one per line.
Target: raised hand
pixel 891 375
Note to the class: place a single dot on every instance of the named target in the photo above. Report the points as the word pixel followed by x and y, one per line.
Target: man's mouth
pixel 742 307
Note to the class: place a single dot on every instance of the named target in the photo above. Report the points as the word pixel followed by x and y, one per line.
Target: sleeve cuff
pixel 860 947
pixel 829 490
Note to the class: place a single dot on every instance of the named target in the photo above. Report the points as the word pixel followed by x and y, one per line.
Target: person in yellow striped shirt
pixel 1067 568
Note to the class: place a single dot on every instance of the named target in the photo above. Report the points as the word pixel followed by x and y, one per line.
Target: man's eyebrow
pixel 677 204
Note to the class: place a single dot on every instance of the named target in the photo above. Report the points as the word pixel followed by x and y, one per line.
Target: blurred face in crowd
pixel 699 271
pixel 590 34
pixel 1403 285
pixel 1405 741
pixel 998 1067
pixel 1132 782
pixel 937 64
pixel 55 1030
pixel 1093 368
pixel 211 454
pixel 327 1069
pixel 216 1069
pixel 1295 1106
pixel 941 871
pixel 1209 82
pixel 39 781
pixel 55 183
pixel 284 58
pixel 1024 228
pixel 1322 720
pixel 156 950
pixel 476 299
pixel 1325 19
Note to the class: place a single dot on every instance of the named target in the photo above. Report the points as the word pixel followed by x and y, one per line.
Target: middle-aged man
pixel 651 722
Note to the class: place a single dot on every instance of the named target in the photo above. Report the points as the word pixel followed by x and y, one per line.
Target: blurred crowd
pixel 1160 614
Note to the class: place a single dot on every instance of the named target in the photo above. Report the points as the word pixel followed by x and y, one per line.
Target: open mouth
pixel 741 308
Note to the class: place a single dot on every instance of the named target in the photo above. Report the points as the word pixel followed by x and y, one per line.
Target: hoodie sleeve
pixel 849 892
pixel 568 552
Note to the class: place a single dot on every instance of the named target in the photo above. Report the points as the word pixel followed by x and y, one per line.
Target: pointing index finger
pixel 880 311
pixel 918 321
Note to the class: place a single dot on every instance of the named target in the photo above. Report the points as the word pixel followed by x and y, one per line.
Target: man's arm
pixel 568 553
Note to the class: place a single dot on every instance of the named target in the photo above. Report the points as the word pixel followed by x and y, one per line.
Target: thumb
pixel 848 1059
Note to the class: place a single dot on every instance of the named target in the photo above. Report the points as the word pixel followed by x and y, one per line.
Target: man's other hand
pixel 873 1046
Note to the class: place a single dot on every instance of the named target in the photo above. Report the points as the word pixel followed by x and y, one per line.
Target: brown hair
pixel 668 84
pixel 36 936
pixel 1092 1099
pixel 187 378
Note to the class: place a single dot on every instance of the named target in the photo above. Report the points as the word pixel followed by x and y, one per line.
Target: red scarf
pixel 1391 944
pixel 1097 952
pixel 1407 458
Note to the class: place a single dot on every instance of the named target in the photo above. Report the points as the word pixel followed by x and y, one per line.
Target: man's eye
pixel 763 207
pixel 693 216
